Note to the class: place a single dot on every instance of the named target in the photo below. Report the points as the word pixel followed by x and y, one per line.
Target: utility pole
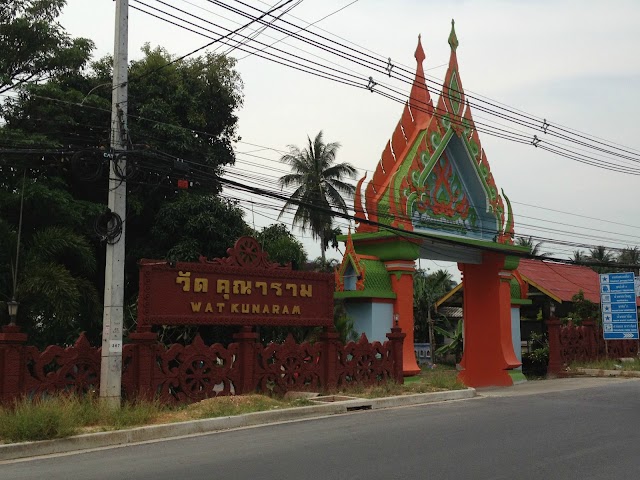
pixel 112 322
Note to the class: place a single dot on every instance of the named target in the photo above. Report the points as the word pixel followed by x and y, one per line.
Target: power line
pixel 571 155
pixel 182 57
pixel 307 27
pixel 541 127
pixel 536 125
pixel 585 245
pixel 200 132
pixel 566 153
pixel 268 182
pixel 576 244
pixel 258 31
pixel 281 62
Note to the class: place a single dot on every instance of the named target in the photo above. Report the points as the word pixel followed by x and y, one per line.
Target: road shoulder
pixel 91 441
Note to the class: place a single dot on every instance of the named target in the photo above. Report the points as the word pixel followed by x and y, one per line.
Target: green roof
pixel 377 283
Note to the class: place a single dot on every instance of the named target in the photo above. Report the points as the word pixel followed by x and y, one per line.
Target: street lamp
pixel 396 319
pixel 12 306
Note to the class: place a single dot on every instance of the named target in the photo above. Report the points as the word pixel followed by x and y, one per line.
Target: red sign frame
pixel 244 288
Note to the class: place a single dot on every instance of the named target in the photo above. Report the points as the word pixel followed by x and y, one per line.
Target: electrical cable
pixel 182 57
pixel 592 161
pixel 569 243
pixel 527 116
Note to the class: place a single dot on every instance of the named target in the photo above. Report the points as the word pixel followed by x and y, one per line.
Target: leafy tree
pixel 536 360
pixel 319 186
pixel 191 226
pixel 535 249
pixel 34 45
pixel 186 98
pixel 56 266
pixel 344 323
pixel 327 266
pixel 583 309
pixel 455 346
pixel 185 109
pixel 282 246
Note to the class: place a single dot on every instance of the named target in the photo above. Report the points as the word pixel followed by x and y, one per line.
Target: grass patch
pixel 428 380
pixel 608 364
pixel 238 405
pixel 60 416
pixel 442 379
pixel 37 420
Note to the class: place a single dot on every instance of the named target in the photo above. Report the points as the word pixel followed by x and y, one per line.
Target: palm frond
pixel 63 245
pixel 50 289
pixel 336 200
pixel 340 171
pixel 343 187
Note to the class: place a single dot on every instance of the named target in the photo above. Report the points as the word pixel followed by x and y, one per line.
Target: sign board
pixel 423 353
pixel 244 288
pixel 618 304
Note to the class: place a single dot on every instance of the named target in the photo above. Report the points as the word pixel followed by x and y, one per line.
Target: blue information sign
pixel 618 303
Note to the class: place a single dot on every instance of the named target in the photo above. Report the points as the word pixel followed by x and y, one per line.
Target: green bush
pixel 535 362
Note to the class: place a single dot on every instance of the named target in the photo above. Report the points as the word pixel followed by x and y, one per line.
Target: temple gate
pixel 433 196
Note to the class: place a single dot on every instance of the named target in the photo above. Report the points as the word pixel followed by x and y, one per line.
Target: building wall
pixel 515 333
pixel 374 319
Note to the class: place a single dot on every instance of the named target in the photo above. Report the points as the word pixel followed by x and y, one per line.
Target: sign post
pixel 619 308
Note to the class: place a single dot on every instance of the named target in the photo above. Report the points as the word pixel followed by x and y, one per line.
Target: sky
pixel 572 63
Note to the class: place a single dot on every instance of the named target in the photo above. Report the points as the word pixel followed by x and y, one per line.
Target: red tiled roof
pixel 560 279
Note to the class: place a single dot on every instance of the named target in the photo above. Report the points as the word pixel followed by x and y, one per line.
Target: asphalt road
pixel 587 433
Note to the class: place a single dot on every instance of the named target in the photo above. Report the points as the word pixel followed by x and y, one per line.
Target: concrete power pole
pixel 112 322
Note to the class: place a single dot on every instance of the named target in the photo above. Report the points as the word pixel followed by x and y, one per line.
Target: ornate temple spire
pixel 452 100
pixel 453 39
pixel 419 100
pixel 419 55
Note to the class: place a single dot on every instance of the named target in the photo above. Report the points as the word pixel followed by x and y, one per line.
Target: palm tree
pixel 57 299
pixel 535 249
pixel 630 256
pixel 579 256
pixel 600 255
pixel 319 186
pixel 427 289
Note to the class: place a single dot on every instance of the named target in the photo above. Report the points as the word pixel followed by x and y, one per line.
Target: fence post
pixel 396 337
pixel 144 341
pixel 555 360
pixel 330 339
pixel 246 360
pixel 11 363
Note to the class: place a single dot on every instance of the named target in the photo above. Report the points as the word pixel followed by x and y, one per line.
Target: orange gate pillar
pixel 401 273
pixel 488 347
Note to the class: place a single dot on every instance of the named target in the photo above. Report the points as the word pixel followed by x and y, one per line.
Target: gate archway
pixel 433 196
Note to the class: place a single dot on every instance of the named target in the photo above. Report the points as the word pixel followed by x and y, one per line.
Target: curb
pixel 88 441
pixel 594 372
